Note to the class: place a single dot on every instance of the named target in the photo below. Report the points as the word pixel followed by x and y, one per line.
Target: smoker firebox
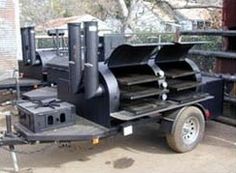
pixel 46 115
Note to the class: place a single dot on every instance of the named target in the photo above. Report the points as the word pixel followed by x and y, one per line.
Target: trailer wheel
pixel 187 130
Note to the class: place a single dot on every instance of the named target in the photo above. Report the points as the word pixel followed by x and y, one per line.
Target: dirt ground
pixel 145 151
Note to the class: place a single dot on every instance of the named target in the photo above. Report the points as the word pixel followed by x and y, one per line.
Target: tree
pixel 40 11
pixel 126 11
pixel 190 6
pixel 36 12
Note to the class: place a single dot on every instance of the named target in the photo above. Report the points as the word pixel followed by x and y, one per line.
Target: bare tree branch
pixel 124 8
pixel 126 12
pixel 187 6
pixel 197 6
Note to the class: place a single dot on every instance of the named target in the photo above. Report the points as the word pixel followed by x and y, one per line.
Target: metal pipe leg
pixel 11 147
pixel 17 85
pixel 14 158
pixel 8 123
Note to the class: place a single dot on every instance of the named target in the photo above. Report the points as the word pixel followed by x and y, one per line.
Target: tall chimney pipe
pixel 25 45
pixel 75 62
pixel 28 45
pixel 91 78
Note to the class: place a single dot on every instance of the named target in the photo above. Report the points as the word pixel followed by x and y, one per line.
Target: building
pixel 61 23
pixel 10 42
pixel 172 15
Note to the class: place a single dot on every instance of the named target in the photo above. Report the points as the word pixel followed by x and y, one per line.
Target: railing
pixel 222 54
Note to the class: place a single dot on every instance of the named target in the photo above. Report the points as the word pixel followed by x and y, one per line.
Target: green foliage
pixel 150 37
pixel 215 44
pixel 40 11
pixel 147 37
pixel 44 43
pixel 58 7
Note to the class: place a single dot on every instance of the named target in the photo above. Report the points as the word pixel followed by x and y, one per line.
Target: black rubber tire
pixel 175 139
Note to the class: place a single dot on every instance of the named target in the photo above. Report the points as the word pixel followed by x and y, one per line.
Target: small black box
pixel 38 118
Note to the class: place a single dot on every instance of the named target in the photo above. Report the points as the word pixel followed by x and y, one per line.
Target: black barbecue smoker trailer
pixel 105 92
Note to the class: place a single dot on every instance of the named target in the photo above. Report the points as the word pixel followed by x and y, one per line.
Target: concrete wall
pixel 10 49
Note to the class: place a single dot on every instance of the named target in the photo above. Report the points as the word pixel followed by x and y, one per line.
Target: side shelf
pixel 82 130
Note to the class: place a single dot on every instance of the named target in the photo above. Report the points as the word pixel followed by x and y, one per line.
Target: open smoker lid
pixel 175 51
pixel 45 55
pixel 138 54
pixel 131 55
pixel 59 62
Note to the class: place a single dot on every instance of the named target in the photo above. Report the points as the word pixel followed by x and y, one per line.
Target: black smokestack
pixel 91 80
pixel 75 62
pixel 25 45
pixel 28 45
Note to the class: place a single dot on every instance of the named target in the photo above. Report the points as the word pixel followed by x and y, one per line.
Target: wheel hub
pixel 190 130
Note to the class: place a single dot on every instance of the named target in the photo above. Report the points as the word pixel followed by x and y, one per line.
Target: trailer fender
pixel 205 111
pixel 169 118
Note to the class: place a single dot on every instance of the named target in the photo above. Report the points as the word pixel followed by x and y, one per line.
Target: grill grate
pixel 134 79
pixel 187 97
pixel 176 73
pixel 144 106
pixel 138 92
pixel 180 85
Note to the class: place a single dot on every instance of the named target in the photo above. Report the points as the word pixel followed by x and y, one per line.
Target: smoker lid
pixel 45 55
pixel 137 54
pixel 59 62
pixel 130 55
pixel 175 51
